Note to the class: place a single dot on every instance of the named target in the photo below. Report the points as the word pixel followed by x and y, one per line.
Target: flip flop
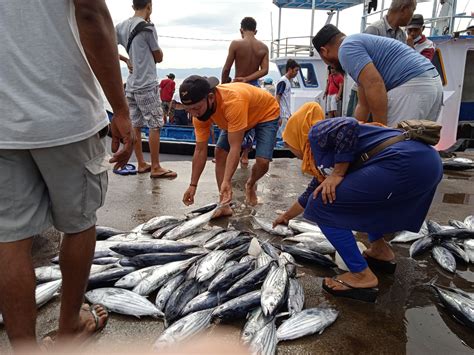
pixel 47 343
pixel 387 267
pixel 360 294
pixel 128 169
pixel 147 170
pixel 166 175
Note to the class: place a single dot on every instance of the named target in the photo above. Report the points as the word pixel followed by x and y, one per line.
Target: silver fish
pixel 456 250
pixel 265 340
pixel 129 237
pixel 406 236
pixel 181 296
pixel 270 249
pixel 267 226
pixel 158 222
pixel 211 264
pixel 444 258
pixel 306 322
pixel 459 304
pixel 246 258
pixel 469 222
pixel 469 249
pixel 274 290
pixel 289 262
pixel 228 276
pixel 134 278
pixel 295 296
pixel 137 228
pixel 153 246
pixel 320 247
pixel 159 276
pixel 307 237
pixel 256 321
pixel 205 300
pixel 184 329
pixel 249 281
pixel 200 238
pixel 420 246
pixel 123 301
pixel 424 229
pixel 239 306
pixel 47 273
pixel 457 224
pixel 221 238
pixel 166 291
pixel 263 259
pixel 303 226
pixel 190 226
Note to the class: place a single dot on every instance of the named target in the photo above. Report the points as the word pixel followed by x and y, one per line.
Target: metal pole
pixel 279 31
pixel 453 13
pixel 363 22
pixel 383 7
pixel 313 6
pixel 433 15
pixel 337 18
pixel 271 26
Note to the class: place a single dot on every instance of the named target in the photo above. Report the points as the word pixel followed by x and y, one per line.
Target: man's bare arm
pixel 361 112
pixel 375 92
pixel 228 62
pixel 158 56
pixel 97 35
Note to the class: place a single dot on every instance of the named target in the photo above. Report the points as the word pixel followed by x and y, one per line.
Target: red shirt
pixel 334 82
pixel 167 89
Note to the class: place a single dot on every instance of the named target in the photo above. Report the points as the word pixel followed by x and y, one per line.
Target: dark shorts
pixel 265 138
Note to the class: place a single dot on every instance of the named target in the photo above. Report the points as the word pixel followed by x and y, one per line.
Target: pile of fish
pixel 448 244
pixel 194 276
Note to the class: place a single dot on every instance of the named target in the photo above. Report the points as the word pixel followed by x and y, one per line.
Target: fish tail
pixel 254 248
pixel 431 282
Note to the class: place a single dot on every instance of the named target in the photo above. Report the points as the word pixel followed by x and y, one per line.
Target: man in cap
pixel 395 83
pixel 167 87
pixel 416 38
pixel 235 108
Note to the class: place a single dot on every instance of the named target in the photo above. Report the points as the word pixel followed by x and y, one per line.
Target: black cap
pixel 324 35
pixel 195 88
pixel 171 76
pixel 416 21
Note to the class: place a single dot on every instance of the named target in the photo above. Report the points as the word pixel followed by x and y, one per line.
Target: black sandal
pixel 360 294
pixel 387 267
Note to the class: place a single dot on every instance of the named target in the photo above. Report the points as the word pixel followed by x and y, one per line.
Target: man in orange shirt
pixel 235 108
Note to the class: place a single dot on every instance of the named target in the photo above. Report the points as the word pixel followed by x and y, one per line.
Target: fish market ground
pixel 407 317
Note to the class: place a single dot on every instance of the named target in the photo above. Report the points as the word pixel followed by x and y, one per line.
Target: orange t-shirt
pixel 240 106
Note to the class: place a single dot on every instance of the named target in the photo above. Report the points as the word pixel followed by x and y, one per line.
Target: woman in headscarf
pixel 389 192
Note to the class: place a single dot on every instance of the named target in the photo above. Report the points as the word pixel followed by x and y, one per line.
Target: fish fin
pixel 283 314
pixel 431 282
pixel 254 248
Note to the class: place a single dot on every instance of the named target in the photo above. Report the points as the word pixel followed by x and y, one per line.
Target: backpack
pixel 142 26
pixel 425 131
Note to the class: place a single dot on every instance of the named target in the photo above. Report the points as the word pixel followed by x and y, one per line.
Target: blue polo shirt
pixel 396 62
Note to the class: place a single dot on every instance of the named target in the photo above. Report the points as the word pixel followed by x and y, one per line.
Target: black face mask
pixel 208 113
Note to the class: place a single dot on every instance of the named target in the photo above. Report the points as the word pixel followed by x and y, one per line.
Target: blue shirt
pixel 340 140
pixel 396 62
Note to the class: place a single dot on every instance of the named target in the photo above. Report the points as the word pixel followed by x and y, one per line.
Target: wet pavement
pixel 407 317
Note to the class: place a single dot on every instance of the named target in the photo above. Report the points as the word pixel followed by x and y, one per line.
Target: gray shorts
pixel 59 186
pixel 145 108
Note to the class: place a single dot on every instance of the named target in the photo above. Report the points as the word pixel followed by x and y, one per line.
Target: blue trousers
pixel 344 242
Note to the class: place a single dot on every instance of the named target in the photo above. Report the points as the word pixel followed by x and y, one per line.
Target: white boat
pixel 454 60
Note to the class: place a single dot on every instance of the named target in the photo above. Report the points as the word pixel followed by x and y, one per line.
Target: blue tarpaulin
pixel 319 5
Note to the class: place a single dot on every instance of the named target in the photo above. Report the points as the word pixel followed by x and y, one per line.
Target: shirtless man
pixel 251 63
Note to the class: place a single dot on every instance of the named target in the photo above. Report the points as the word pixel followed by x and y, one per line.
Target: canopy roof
pixel 319 4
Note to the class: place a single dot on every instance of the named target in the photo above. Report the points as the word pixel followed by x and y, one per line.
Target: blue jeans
pixel 265 136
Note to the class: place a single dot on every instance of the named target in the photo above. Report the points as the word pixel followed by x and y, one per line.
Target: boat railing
pixel 292 47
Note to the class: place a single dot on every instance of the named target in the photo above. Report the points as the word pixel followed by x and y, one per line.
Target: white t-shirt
pixel 49 95
pixel 283 88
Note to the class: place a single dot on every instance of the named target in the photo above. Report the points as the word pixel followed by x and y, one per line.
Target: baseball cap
pixel 195 88
pixel 416 21
pixel 171 76
pixel 324 35
pixel 268 80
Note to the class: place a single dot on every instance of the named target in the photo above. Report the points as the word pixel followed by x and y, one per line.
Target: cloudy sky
pixel 218 21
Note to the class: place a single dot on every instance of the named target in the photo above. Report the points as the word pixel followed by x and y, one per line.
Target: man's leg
pixel 143 166
pixel 17 294
pixel 259 169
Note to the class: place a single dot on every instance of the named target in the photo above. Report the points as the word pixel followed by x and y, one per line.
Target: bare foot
pixel 380 250
pixel 251 195
pixel 244 161
pixel 223 212
pixel 364 279
pixel 144 168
